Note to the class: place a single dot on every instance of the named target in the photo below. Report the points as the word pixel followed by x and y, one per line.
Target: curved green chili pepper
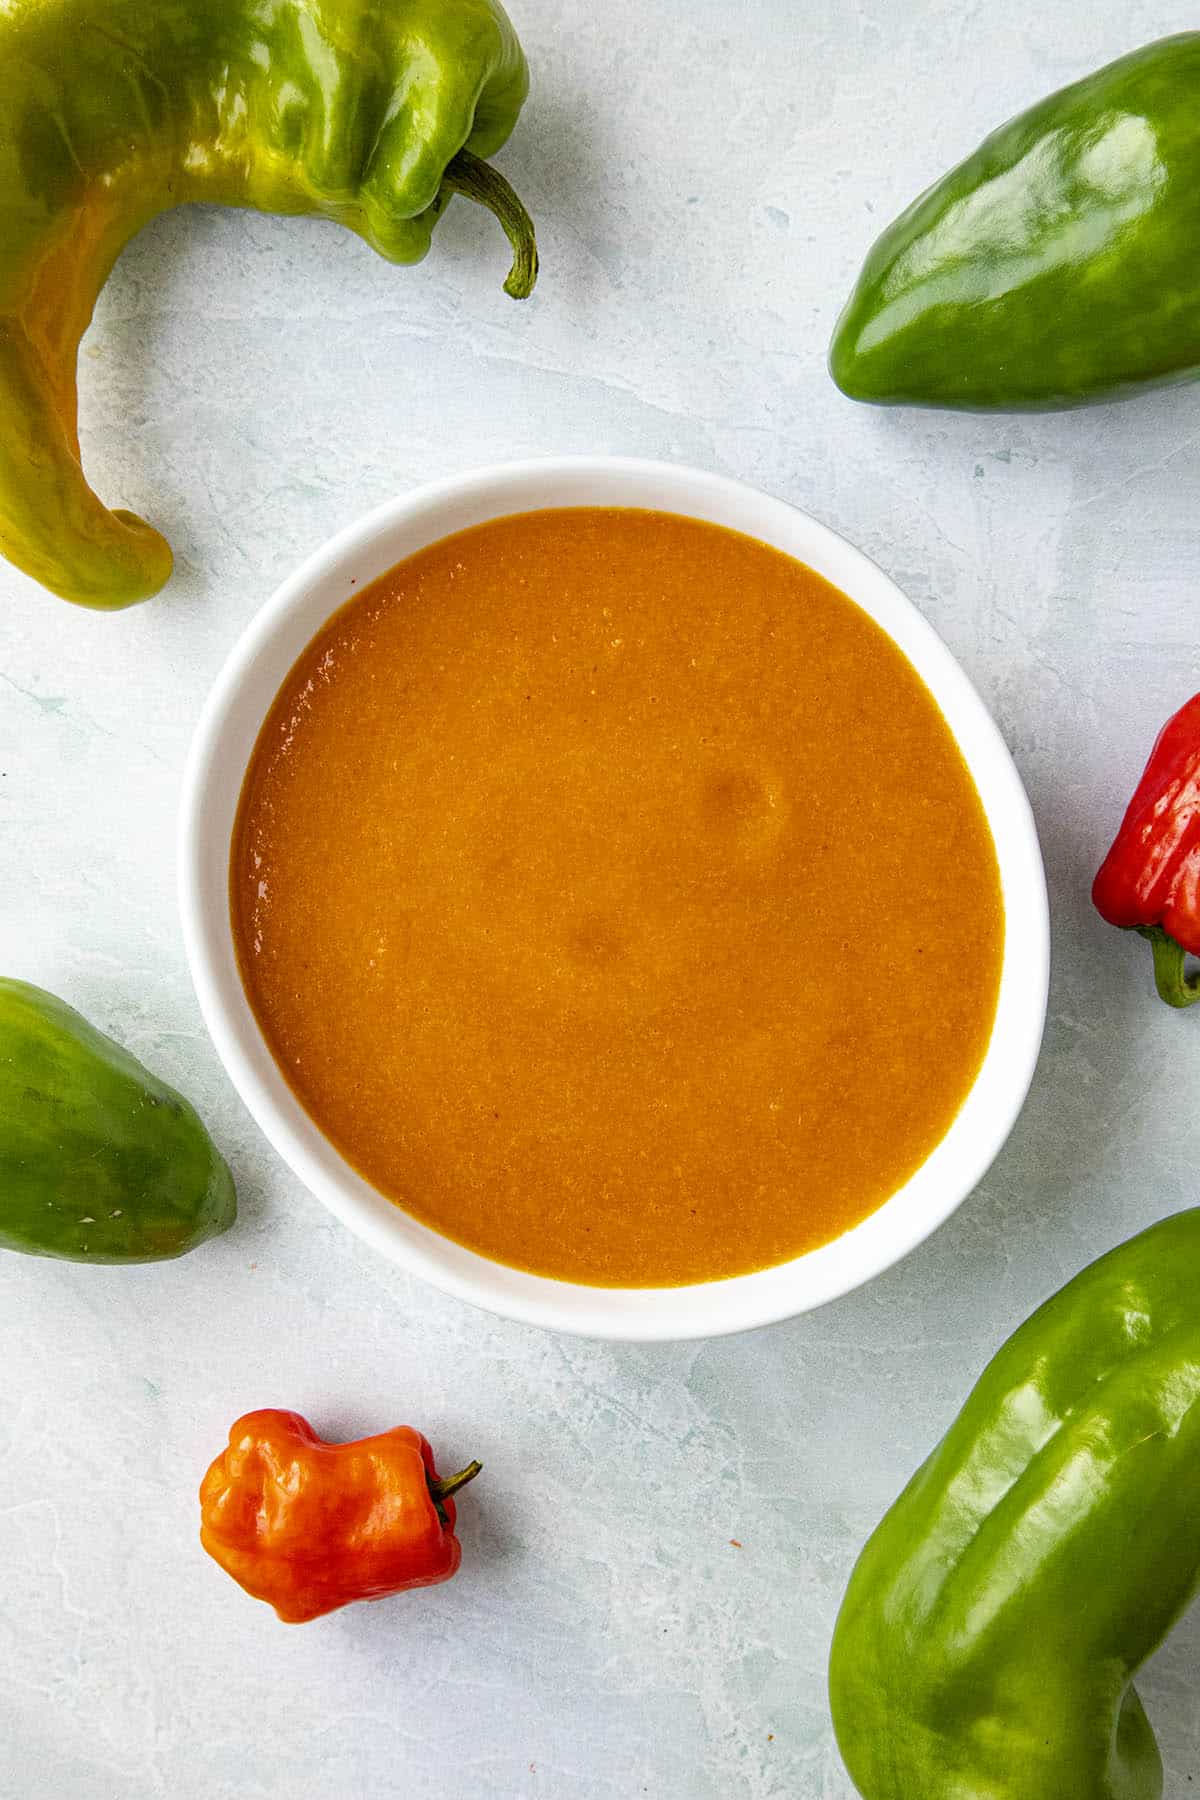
pixel 1056 266
pixel 987 1643
pixel 369 112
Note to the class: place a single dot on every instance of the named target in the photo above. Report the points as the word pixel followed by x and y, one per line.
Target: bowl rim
pixel 273 639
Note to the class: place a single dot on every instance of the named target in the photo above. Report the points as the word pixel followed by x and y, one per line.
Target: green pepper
pixel 987 1643
pixel 99 1160
pixel 1054 267
pixel 372 113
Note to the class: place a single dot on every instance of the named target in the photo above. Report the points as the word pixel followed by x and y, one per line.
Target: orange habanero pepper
pixel 310 1526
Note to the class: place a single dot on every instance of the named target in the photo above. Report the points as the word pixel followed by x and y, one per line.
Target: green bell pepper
pixel 987 1642
pixel 99 1160
pixel 372 113
pixel 1054 267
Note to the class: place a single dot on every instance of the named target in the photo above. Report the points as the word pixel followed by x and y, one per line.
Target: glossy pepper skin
pixel 99 1160
pixel 372 113
pixel 311 1526
pixel 987 1643
pixel 1150 880
pixel 1054 267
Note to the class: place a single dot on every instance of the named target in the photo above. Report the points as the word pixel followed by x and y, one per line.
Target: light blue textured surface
pixel 706 178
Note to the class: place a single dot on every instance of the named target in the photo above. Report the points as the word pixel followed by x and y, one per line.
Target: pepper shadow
pixel 1167 1686
pixel 130 385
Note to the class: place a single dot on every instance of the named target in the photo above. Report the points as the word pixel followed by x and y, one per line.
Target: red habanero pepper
pixel 311 1526
pixel 1150 880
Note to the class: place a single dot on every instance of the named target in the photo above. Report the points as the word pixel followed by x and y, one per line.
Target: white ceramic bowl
pixel 221 749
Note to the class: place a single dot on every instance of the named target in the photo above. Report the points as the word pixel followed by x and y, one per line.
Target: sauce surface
pixel 611 892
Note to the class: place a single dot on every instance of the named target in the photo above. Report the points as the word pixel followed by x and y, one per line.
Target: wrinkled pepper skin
pixel 99 1160
pixel 987 1642
pixel 310 1526
pixel 1054 267
pixel 1150 880
pixel 115 111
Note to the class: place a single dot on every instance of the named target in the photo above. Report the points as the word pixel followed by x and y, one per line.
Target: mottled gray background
pixel 706 176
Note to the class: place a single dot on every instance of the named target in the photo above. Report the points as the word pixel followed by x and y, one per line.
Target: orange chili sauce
pixel 611 892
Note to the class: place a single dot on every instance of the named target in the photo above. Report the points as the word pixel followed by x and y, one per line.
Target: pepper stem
pixel 1173 984
pixel 450 1484
pixel 470 175
pixel 440 1489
